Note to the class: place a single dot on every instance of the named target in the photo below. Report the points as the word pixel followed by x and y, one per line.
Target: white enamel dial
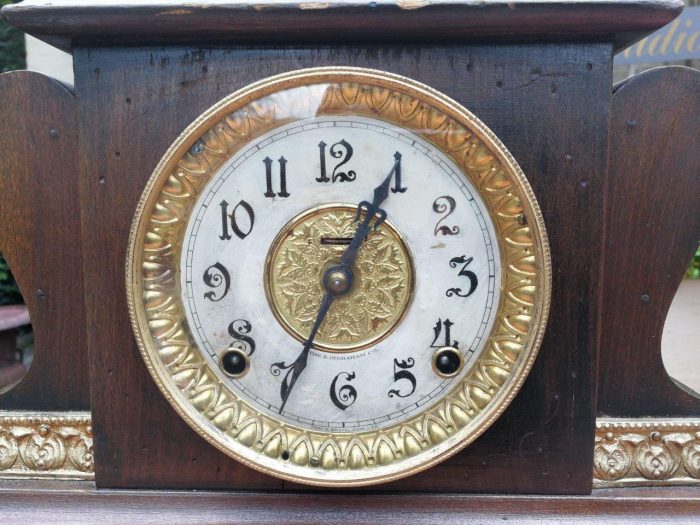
pixel 449 241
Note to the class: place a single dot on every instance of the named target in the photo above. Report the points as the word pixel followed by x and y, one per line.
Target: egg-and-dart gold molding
pixel 237 428
pixel 46 445
pixel 646 452
pixel 628 452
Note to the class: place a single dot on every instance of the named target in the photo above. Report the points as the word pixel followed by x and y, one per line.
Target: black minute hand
pixel 298 366
pixel 337 280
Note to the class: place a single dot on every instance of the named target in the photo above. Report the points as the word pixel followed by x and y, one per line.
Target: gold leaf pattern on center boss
pixel 382 279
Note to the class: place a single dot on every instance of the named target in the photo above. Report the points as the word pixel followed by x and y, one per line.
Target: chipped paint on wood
pixel 412 4
pixel 174 12
pixel 314 5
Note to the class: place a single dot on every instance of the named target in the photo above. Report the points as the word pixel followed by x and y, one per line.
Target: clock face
pixel 338 277
pixel 255 257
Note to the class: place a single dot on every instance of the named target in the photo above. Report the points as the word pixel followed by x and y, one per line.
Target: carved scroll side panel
pixel 40 236
pixel 652 231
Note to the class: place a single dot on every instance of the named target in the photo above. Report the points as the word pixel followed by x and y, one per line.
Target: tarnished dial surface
pixel 253 205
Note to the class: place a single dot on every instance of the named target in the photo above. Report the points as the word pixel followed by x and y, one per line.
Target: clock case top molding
pixel 68 24
pixel 539 74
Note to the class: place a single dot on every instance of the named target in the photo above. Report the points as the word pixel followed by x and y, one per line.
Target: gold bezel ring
pixel 230 423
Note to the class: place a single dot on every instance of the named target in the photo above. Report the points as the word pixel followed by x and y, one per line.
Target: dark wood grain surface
pixel 652 232
pixel 37 502
pixel 548 103
pixel 139 22
pixel 40 237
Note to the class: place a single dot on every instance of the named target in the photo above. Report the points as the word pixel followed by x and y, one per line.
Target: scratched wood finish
pixel 74 502
pixel 652 232
pixel 549 105
pixel 40 237
pixel 132 22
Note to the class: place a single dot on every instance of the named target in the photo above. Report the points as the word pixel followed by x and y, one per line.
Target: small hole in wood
pixel 499 83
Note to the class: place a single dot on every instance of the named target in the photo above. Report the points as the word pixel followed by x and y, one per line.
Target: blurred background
pixel 678 43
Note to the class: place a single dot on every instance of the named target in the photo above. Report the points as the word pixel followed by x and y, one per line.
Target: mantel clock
pixel 321 248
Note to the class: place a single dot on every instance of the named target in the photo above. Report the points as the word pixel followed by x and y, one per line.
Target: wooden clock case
pixel 74 162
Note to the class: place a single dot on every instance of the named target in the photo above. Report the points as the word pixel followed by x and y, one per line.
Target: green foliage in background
pixel 11 46
pixel 694 270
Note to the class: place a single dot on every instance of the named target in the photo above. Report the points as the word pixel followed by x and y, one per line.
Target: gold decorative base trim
pixel 46 445
pixel 646 452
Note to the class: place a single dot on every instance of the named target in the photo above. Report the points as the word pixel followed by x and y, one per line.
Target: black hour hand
pixel 369 214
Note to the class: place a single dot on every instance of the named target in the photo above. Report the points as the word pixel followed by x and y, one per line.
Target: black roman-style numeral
pixel 401 373
pixel 217 278
pixel 239 330
pixel 283 177
pixel 438 330
pixel 340 150
pixel 231 220
pixel 446 205
pixel 473 280
pixel 345 395
pixel 397 175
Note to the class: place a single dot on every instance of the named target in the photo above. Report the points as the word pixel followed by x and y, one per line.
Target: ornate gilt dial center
pixel 379 292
